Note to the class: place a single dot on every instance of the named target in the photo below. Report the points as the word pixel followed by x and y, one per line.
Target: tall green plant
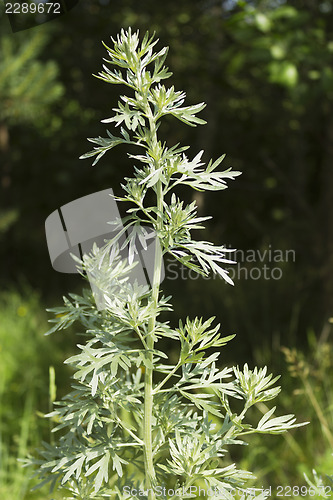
pixel 136 425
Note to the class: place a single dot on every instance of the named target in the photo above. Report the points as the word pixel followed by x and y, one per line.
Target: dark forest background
pixel 265 70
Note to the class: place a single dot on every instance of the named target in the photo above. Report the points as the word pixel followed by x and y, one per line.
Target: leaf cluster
pixel 138 117
pixel 100 421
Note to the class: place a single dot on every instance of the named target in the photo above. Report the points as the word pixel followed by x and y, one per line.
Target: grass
pixel 26 355
pixel 307 391
pixel 27 388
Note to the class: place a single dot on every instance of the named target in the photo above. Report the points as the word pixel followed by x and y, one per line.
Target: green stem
pixel 150 475
pixel 148 403
pixel 173 371
pixel 148 399
pixel 148 410
pixel 134 436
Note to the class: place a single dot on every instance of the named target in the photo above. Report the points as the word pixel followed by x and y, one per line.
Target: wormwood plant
pixel 135 425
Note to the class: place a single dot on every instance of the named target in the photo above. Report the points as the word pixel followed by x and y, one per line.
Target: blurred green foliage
pixel 26 356
pixel 28 86
pixel 307 389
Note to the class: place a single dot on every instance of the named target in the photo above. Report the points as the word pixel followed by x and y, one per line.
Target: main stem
pixel 148 397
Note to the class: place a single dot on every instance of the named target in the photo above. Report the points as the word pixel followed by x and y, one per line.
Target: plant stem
pixel 158 388
pixel 148 401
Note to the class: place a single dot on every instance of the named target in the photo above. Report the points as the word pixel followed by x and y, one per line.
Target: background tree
pixel 28 91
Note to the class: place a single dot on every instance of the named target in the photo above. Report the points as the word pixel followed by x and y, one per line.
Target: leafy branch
pixel 133 418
